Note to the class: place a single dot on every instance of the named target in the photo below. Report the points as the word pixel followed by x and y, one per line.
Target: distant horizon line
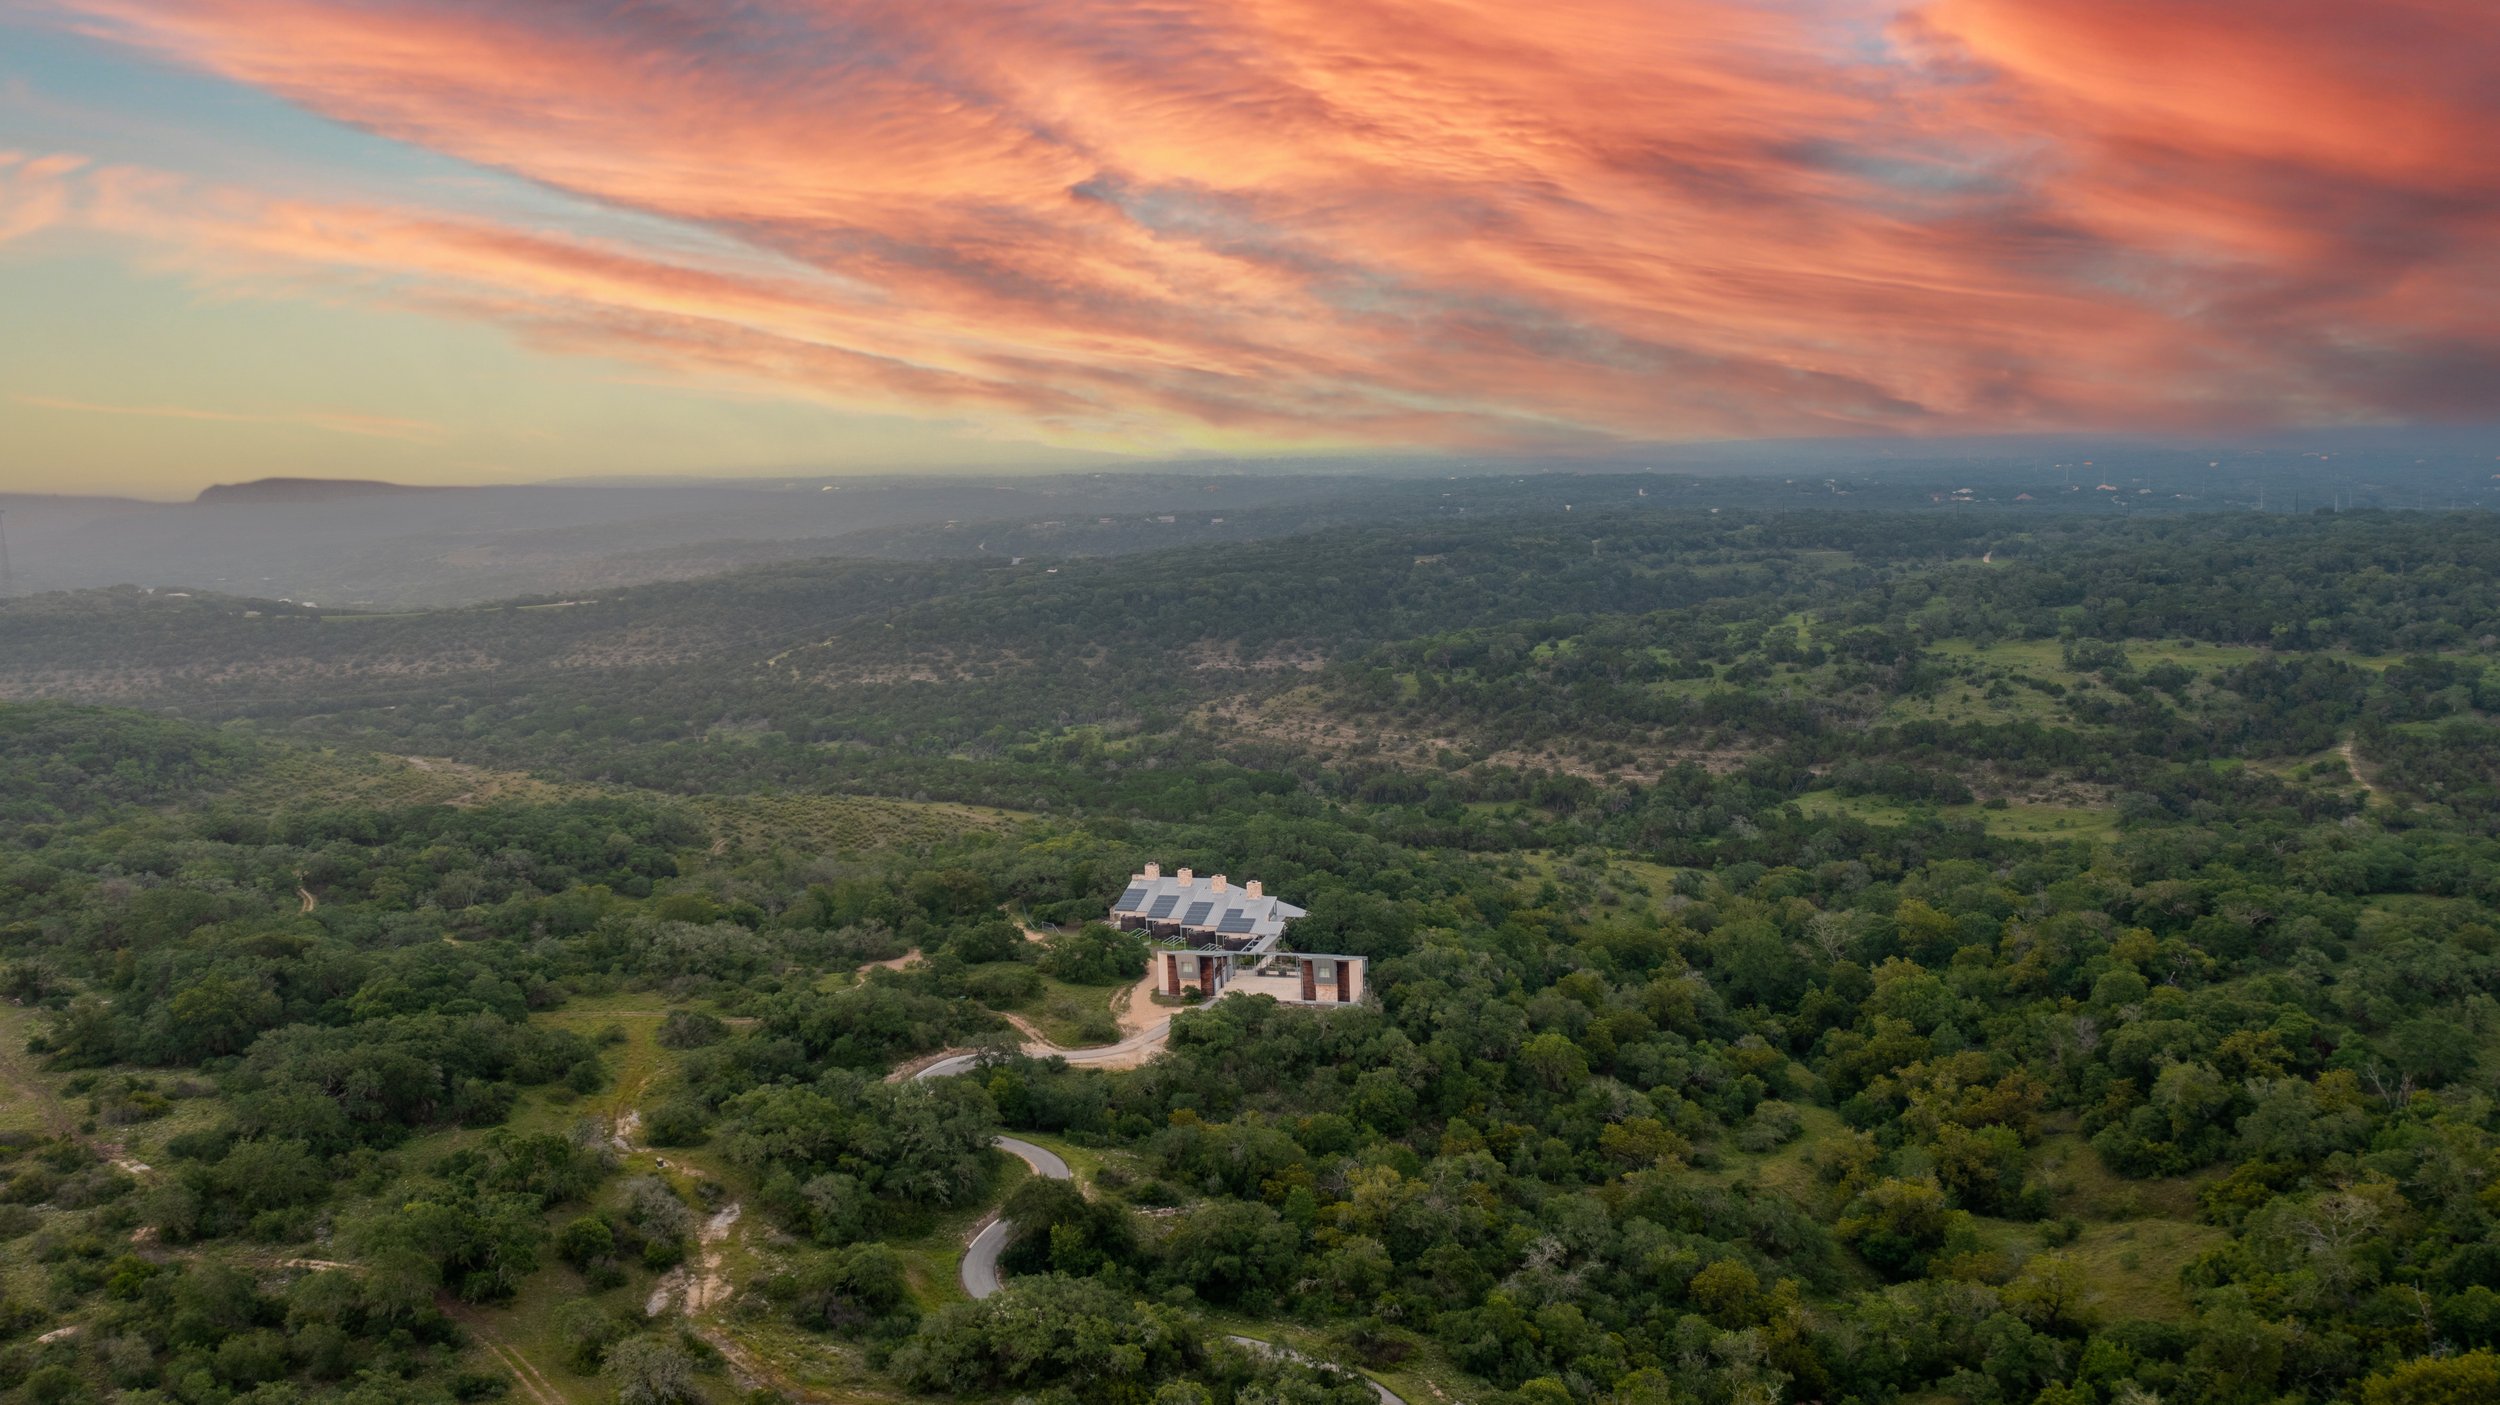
pixel 1720 455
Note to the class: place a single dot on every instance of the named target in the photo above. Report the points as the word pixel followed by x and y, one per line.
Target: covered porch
pixel 1293 977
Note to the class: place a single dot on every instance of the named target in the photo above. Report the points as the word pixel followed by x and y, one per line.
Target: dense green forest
pixel 1818 953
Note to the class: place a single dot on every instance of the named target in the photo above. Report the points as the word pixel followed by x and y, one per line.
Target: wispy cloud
pixel 1415 221
pixel 331 421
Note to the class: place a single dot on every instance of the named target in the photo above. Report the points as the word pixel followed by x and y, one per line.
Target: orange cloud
pixel 2313 182
pixel 1467 222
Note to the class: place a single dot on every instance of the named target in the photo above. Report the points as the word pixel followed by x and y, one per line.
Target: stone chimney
pixel 1254 888
pixel 1154 870
pixel 1187 878
pixel 1218 881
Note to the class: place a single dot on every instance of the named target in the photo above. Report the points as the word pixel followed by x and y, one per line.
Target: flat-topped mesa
pixel 1205 913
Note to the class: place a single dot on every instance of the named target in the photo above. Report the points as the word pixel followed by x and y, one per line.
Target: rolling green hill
pixel 1816 955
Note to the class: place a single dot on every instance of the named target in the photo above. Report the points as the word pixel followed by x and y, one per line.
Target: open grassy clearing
pixel 1686 688
pixel 526 1328
pixel 1978 701
pixel 80 1104
pixel 30 1099
pixel 30 1103
pixel 2387 917
pixel 805 1366
pixel 2131 1268
pixel 1074 1015
pixel 2126 1270
pixel 1656 879
pixel 2327 768
pixel 1787 1168
pixel 1586 875
pixel 636 1065
pixel 2087 1189
pixel 2046 658
pixel 840 823
pixel 1425 1377
pixel 297 777
pixel 2042 822
pixel 2016 820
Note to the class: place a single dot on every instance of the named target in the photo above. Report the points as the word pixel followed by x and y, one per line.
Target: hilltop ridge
pixel 303 490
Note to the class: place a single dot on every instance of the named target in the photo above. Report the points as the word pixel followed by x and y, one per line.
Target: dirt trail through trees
pixel 2352 762
pixel 698 1287
pixel 541 1390
pixel 17 1072
pixel 1136 1014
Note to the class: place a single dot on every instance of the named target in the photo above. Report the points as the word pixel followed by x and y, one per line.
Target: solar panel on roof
pixel 1233 921
pixel 1164 905
pixel 1197 914
pixel 1130 900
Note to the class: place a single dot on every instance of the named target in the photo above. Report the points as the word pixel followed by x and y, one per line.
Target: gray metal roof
pixel 1204 909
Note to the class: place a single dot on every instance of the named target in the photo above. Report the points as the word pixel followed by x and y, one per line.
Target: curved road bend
pixel 980 1270
pixel 1387 1396
pixel 1144 1039
pixel 980 1267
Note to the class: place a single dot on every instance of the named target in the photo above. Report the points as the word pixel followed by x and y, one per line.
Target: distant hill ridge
pixel 295 490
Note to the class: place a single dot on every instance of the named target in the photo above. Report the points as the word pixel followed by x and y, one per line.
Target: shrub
pixel 1773 1124
pixel 586 1330
pixel 996 940
pixel 691 1029
pixel 1003 987
pixel 677 1122
pixel 851 1292
pixel 585 1241
pixel 647 1371
pixel 1094 955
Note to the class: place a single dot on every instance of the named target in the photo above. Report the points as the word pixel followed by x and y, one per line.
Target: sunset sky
pixel 472 240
